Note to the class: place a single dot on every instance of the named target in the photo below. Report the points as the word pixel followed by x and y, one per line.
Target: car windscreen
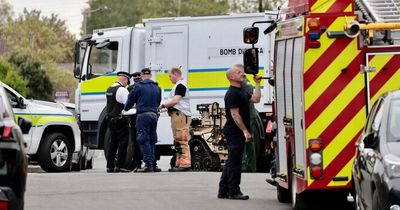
pixel 394 121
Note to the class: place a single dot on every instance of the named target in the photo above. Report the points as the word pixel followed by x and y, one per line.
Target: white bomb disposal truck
pixel 54 139
pixel 204 48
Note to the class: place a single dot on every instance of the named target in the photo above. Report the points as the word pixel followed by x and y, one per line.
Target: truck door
pixel 382 73
pixel 168 48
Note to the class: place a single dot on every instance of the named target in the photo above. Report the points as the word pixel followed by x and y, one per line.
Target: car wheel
pixel 55 153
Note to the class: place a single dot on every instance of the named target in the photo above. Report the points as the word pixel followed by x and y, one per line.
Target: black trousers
pixel 119 128
pixel 232 172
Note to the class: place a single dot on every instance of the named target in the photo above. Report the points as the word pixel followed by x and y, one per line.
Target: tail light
pixel 6 133
pixel 3 201
pixel 315 158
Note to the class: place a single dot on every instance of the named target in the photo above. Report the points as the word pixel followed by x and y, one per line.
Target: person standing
pixel 116 97
pixel 147 97
pixel 236 132
pixel 249 156
pixel 179 110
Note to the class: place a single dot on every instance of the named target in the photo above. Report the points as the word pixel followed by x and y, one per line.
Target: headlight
pixel 392 165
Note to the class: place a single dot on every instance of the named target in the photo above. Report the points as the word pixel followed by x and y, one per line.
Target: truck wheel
pixel 89 164
pixel 55 153
pixel 283 194
pixel 76 166
pixel 83 162
pixel 298 200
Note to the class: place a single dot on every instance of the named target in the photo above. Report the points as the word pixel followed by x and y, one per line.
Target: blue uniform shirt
pixel 146 95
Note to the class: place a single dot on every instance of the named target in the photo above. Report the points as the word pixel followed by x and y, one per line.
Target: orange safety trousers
pixel 180 128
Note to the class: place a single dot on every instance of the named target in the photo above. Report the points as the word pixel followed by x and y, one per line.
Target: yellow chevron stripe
pixel 341 101
pixel 312 55
pixel 344 137
pixel 346 171
pixel 321 6
pixel 330 74
pixel 390 85
pixel 349 8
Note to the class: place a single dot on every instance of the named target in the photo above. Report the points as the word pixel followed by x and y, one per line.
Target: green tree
pixel 130 12
pixel 38 84
pixel 6 13
pixel 44 38
pixel 9 75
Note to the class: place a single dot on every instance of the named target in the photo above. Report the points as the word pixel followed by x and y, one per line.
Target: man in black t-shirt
pixel 236 131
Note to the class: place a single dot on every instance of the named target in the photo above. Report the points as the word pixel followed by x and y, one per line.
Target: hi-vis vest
pixel 183 105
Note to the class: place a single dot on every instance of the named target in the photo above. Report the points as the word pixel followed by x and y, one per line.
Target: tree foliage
pixel 130 12
pixel 9 75
pixel 38 84
pixel 6 13
pixel 45 38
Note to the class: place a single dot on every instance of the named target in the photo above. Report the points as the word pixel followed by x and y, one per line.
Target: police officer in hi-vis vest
pixel 179 110
pixel 117 95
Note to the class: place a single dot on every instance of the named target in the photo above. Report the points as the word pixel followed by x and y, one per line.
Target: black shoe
pixel 156 169
pixel 239 196
pixel 145 169
pixel 179 169
pixel 121 170
pixel 109 170
pixel 272 182
pixel 223 196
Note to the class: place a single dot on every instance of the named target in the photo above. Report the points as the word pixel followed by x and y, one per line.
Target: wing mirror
pixel 370 140
pixel 250 61
pixel 250 35
pixel 21 103
pixel 24 124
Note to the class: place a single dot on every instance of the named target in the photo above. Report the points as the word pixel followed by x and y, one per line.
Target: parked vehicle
pixel 376 169
pixel 13 161
pixel 55 135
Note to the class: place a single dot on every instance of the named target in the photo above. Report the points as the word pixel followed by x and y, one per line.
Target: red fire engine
pixel 333 59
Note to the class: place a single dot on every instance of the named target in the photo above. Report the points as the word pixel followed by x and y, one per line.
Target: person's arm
pixel 255 98
pixel 180 91
pixel 239 122
pixel 122 95
pixel 131 99
pixel 171 102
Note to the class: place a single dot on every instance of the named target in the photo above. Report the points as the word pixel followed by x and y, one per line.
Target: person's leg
pixel 112 149
pixel 142 126
pixel 181 135
pixel 235 172
pixel 123 140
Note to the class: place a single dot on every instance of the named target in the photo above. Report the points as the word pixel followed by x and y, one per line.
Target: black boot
pixel 145 169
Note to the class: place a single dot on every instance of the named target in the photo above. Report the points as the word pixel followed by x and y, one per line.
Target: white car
pixel 54 137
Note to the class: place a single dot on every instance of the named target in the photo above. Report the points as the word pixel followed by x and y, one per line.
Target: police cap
pixel 146 71
pixel 125 74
